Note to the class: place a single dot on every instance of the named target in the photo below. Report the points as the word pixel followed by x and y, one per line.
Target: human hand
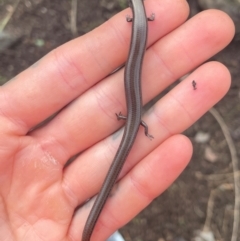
pixel 39 194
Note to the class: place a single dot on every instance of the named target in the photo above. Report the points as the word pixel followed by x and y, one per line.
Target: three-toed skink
pixel 132 82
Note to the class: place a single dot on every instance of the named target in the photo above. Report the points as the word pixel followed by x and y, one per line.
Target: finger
pixel 138 188
pixel 71 69
pixel 92 117
pixel 184 49
pixel 171 115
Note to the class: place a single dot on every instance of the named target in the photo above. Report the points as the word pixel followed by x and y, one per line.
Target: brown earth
pixel 43 25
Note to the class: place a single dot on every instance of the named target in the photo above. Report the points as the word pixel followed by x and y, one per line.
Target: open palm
pixel 39 193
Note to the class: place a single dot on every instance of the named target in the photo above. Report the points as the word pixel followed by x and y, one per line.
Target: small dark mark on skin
pixel 194 84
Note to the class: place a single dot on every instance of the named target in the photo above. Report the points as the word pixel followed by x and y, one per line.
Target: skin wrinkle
pixel 69 193
pixel 162 123
pixel 47 162
pixel 58 65
pixel 50 142
pixel 119 35
pixel 103 96
pixel 12 167
pixel 6 212
pixel 19 227
pixel 47 157
pixel 180 44
pixel 36 224
pixel 28 230
pixel 111 147
pixel 92 48
pixel 84 84
pixel 69 134
pixel 159 118
pixel 139 187
pixel 39 238
pixel 182 106
pixel 106 223
pixel 18 123
pixel 60 146
pixel 162 62
pixel 87 190
pixel 2 200
pixel 70 237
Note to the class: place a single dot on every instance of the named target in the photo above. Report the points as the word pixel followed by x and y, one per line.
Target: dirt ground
pixel 42 25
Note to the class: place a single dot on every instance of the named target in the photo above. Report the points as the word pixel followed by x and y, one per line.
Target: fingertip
pixel 181 146
pixel 168 16
pixel 171 157
pixel 218 23
pixel 220 76
pixel 213 81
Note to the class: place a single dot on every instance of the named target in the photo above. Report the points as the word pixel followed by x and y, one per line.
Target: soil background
pixel 38 26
